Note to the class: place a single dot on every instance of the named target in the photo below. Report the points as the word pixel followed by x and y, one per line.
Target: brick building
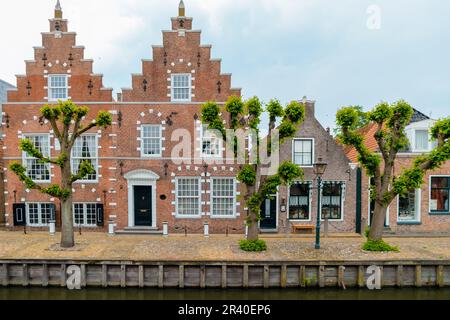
pixel 141 179
pixel 4 87
pixel 425 210
pixel 297 204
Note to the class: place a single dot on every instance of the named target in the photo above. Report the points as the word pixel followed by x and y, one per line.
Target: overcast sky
pixel 340 52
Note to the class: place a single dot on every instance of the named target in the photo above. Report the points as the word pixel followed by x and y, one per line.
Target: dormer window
pixel 181 87
pixel 58 87
pixel 422 142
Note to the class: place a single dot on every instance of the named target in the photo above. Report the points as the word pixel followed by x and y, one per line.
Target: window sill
pixel 223 217
pixel 439 213
pixel 146 156
pixel 299 220
pixel 86 182
pixel 409 223
pixel 188 217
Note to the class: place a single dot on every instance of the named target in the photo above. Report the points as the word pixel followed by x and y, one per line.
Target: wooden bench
pixel 301 227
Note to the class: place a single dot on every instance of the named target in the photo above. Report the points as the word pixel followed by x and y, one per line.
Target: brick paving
pixel 100 246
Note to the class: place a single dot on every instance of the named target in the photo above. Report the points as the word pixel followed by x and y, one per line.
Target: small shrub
pixel 379 246
pixel 366 232
pixel 253 245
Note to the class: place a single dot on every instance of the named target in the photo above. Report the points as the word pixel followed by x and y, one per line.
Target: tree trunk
pixel 378 219
pixel 253 228
pixel 67 235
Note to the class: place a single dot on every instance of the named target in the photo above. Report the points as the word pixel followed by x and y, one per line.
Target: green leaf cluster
pixel 379 246
pixel 247 175
pixel 253 245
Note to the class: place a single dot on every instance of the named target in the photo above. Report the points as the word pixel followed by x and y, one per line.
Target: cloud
pixel 284 49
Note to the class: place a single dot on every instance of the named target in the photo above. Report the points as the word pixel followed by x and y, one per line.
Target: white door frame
pixel 141 177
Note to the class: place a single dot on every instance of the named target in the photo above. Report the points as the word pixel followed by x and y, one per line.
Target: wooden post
pixel 399 276
pixel 283 279
pixel 361 277
pixel 341 279
pixel 123 276
pixel 418 276
pixel 381 276
pixel 302 276
pixel 440 276
pixel 181 276
pixel 202 277
pixel 245 276
pixel 161 276
pixel 25 278
pixel 141 276
pixel 321 276
pixel 44 275
pixel 104 275
pixel 63 276
pixel 83 275
pixel 224 276
pixel 5 275
pixel 266 277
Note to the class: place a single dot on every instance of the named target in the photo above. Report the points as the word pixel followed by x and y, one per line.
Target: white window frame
pixel 25 156
pixel 96 167
pixel 219 141
pixel 444 213
pixel 312 151
pixel 430 143
pixel 311 188
pixel 172 87
pixel 143 154
pixel 84 224
pixel 40 223
pixel 66 87
pixel 186 216
pixel 418 204
pixel 218 216
pixel 343 191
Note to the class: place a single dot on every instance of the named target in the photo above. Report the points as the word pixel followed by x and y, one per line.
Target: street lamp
pixel 319 170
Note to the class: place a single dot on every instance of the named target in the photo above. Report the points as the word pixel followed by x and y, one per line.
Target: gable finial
pixel 58 10
pixel 181 9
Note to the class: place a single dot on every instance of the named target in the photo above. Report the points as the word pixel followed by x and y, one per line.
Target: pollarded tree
pixel 391 121
pixel 66 121
pixel 247 114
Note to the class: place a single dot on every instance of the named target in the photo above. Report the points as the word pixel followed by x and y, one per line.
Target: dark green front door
pixel 269 214
pixel 143 206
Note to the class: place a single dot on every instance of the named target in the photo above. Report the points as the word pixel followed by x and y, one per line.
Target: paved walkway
pixel 99 246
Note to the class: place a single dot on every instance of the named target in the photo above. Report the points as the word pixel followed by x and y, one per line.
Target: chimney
pixel 309 107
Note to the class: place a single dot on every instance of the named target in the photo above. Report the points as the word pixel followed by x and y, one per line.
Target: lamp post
pixel 319 170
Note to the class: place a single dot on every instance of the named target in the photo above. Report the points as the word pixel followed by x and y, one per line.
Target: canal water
pixel 19 293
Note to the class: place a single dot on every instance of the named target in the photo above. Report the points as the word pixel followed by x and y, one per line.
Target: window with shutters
pixel 38 214
pixel 85 149
pixel 223 197
pixel 36 170
pixel 299 201
pixel 188 197
pixel 85 214
pixel 181 87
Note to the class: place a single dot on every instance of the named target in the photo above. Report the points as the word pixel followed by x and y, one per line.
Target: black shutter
pixel 100 215
pixel 53 212
pixel 19 214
